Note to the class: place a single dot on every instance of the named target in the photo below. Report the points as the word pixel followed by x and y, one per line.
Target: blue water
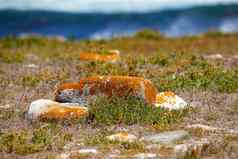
pixel 173 22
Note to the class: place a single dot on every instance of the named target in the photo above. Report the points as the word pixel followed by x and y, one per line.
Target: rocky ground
pixel 202 70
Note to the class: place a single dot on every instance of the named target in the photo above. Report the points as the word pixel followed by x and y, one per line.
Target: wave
pixel 106 6
pixel 229 25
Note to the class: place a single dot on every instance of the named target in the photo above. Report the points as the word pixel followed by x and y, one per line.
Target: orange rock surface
pixel 60 112
pixel 112 85
pixel 112 56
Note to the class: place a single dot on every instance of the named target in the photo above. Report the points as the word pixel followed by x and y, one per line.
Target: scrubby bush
pixel 149 34
pixel 130 110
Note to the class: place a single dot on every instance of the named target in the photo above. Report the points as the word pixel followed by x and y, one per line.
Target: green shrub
pixel 202 76
pixel 214 34
pixel 17 142
pixel 130 110
pixel 15 42
pixel 148 34
pixel 10 57
pixel 42 138
pixel 30 80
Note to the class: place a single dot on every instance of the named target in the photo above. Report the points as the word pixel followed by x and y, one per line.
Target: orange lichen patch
pixel 110 85
pixel 169 94
pixel 111 56
pixel 124 134
pixel 163 97
pixel 160 99
pixel 62 112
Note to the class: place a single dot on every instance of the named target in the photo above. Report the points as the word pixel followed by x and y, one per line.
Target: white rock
pixel 146 156
pixel 214 57
pixel 170 101
pixel 39 107
pixel 210 129
pixel 7 106
pixel 87 151
pixel 115 51
pixel 42 106
pixel 122 137
pixel 202 127
pixel 67 155
pixel 31 66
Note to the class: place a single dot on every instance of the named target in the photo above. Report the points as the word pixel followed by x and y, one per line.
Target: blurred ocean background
pixel 97 19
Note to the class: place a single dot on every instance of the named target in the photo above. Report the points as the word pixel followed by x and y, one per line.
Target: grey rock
pixel 167 137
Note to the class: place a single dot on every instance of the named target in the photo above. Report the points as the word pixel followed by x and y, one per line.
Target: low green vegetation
pixel 130 110
pixel 149 34
pixel 43 75
pixel 15 42
pixel 191 156
pixel 216 79
pixel 40 139
pixel 11 57
pixel 7 114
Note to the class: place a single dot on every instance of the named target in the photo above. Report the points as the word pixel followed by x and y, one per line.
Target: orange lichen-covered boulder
pixel 108 86
pixel 47 109
pixel 110 56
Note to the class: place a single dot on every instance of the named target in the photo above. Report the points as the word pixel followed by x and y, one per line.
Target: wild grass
pixel 40 139
pixel 8 114
pixel 130 110
pixel 11 57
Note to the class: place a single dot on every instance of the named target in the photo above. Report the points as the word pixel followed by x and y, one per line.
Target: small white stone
pixel 211 129
pixel 214 57
pixel 67 155
pixel 31 66
pixel 115 51
pixel 87 151
pixel 203 127
pixel 122 137
pixel 7 106
pixel 145 156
